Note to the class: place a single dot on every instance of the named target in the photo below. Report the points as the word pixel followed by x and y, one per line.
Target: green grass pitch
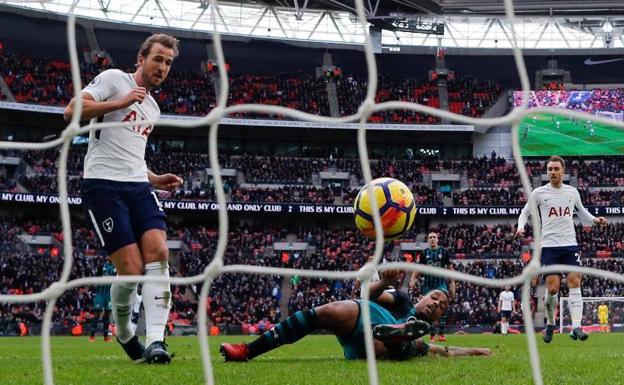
pixel 572 138
pixel 317 360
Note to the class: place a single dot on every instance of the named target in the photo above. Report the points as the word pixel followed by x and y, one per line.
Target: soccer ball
pixel 396 208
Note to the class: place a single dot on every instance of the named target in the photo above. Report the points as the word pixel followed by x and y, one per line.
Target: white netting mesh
pixel 217 266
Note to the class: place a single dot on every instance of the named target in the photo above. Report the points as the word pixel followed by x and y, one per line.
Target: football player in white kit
pixel 506 307
pixel 118 195
pixel 556 203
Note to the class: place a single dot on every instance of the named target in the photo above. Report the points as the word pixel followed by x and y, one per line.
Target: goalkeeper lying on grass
pixel 397 324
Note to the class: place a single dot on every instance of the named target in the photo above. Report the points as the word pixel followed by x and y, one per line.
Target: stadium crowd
pixel 277 170
pixel 491 181
pixel 586 101
pixel 41 81
pixel 286 194
pixel 467 96
pixel 7 183
pixel 606 172
pixel 254 301
pixel 606 100
pixel 235 299
pixel 189 92
pixel 480 241
pixel 489 197
pixel 602 197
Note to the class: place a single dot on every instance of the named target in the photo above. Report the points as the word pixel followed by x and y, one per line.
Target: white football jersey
pixel 505 299
pixel 119 153
pixel 556 207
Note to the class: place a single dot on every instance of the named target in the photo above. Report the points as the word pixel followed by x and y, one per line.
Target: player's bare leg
pixel 551 298
pixel 338 317
pixel 576 306
pixel 156 295
pixel 127 261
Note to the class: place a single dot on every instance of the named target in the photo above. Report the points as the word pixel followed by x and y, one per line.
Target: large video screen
pixel 560 134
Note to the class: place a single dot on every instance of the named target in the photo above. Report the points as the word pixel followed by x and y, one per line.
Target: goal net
pixel 590 321
pixel 217 266
pixel 611 115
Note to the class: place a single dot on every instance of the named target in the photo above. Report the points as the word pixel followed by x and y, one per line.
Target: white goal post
pixel 563 305
pixel 611 115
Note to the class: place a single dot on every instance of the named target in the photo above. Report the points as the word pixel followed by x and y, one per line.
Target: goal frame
pixel 562 300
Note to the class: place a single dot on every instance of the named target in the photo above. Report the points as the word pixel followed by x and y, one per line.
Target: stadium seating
pixel 187 92
pixel 490 181
pixel 489 197
pixel 467 97
pixel 237 300
pixel 597 100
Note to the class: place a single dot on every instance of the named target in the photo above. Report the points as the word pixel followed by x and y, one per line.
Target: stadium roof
pixel 382 8
pixel 400 23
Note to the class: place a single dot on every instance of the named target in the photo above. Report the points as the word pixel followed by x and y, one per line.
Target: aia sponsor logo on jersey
pixel 141 130
pixel 559 212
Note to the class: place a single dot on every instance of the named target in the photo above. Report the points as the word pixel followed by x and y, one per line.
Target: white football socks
pixel 504 327
pixel 576 306
pixel 156 302
pixel 123 295
pixel 136 309
pixel 550 304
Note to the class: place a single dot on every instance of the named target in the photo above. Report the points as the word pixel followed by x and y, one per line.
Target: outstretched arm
pixel 413 281
pixel 377 288
pixel 457 351
pixel 417 348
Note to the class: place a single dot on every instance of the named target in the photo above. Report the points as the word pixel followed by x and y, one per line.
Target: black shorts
pixel 506 314
pixel 121 211
pixel 564 255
